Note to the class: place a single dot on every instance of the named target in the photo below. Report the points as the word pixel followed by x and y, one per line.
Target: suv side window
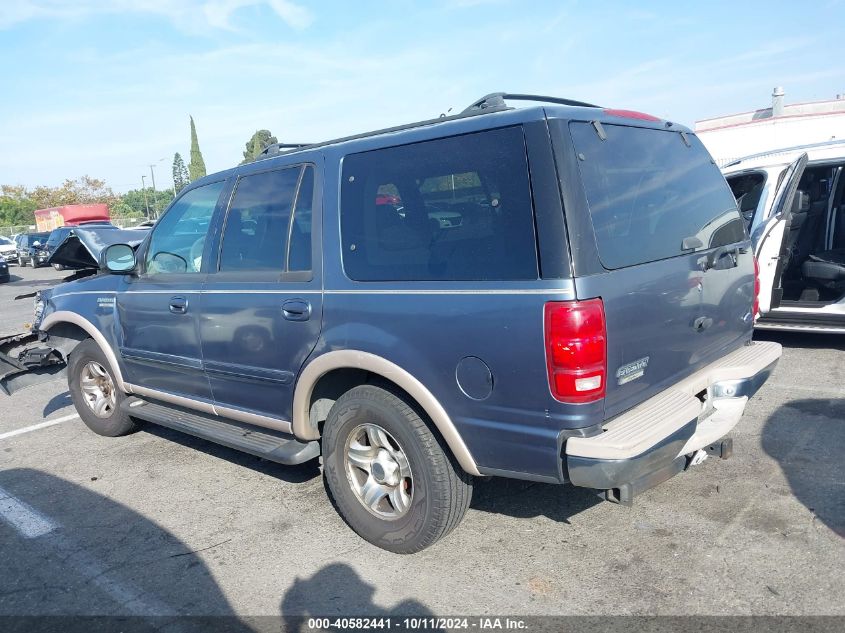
pixel 178 238
pixel 259 221
pixel 457 208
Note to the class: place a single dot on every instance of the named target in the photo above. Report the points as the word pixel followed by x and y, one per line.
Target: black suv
pixel 31 249
pixel 560 293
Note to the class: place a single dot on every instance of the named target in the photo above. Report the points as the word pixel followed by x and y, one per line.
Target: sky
pixel 105 87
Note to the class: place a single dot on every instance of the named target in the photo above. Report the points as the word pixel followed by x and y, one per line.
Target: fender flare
pixel 355 359
pixel 65 316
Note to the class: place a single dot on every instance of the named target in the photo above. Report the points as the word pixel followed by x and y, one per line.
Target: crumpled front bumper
pixel 650 443
pixel 29 366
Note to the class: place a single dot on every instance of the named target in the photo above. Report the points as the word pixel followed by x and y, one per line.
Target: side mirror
pixel 118 259
pixel 36 244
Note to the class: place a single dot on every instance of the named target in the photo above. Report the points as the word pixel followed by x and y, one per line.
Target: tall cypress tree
pixel 180 173
pixel 196 168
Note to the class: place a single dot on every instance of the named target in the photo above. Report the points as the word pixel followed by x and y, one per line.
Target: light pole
pixel 153 176
pixel 144 189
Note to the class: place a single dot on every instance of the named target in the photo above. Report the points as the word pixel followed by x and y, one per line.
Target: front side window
pixel 653 194
pixel 457 208
pixel 178 239
pixel 260 220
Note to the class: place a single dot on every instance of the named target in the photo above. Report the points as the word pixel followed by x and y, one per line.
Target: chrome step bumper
pixel 652 438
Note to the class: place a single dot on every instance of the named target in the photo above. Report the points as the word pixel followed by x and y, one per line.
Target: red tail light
pixel 755 308
pixel 576 350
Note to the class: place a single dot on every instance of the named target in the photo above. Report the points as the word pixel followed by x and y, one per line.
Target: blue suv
pixel 560 293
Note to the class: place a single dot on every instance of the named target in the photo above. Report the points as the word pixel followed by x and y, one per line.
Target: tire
pixel 21 263
pixel 437 492
pixel 86 361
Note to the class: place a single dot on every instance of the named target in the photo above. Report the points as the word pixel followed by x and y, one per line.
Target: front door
pixel 768 237
pixel 158 308
pixel 261 308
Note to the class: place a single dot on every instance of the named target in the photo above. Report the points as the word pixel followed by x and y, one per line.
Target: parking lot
pixel 160 523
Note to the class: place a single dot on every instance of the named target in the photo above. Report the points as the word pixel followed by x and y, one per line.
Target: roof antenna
pixel 443 114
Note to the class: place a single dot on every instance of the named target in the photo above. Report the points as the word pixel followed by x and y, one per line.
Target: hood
pixel 82 247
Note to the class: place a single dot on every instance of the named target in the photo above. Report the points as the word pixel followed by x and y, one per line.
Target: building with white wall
pixel 736 135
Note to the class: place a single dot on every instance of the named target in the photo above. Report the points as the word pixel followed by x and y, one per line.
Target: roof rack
pixel 494 102
pixel 278 148
pixel 497 100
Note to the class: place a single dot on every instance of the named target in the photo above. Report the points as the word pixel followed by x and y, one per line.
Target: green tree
pixel 133 203
pixel 16 206
pixel 82 190
pixel 196 168
pixel 180 173
pixel 259 141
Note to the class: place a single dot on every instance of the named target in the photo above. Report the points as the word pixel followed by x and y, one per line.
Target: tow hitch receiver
pixel 722 449
pixel 28 366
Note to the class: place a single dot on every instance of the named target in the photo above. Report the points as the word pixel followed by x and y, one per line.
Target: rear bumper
pixel 648 444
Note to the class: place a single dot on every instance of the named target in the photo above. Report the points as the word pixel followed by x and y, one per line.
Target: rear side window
pixel 259 222
pixel 457 208
pixel 651 195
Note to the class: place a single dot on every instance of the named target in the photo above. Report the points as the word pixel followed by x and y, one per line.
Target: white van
pixel 793 202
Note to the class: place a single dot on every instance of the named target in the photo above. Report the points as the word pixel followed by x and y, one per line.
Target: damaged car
pixel 560 293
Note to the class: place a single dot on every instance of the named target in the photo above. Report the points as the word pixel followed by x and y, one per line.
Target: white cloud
pixel 189 15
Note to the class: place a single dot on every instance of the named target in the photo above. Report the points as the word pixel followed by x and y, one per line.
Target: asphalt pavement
pixel 161 523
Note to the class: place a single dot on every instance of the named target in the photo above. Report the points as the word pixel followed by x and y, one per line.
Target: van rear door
pixel 655 232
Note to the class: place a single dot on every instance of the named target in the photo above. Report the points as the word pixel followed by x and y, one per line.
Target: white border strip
pixel 35 427
pixel 28 522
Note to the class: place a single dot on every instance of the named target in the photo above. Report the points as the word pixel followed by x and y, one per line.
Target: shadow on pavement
pixel 68 551
pixel 294 474
pixel 336 590
pixel 803 340
pixel 59 401
pixel 527 499
pixel 809 448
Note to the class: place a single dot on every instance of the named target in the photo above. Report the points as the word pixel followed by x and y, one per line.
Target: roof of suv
pixel 827 150
pixel 487 112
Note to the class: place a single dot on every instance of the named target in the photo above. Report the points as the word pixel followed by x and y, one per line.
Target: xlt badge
pixel 631 371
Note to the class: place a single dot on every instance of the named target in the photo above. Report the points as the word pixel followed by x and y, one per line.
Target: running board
pixel 265 443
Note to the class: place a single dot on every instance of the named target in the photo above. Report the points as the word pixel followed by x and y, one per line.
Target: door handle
pixel 296 310
pixel 178 305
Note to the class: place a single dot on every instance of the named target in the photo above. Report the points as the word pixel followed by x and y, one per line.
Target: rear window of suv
pixel 456 208
pixel 649 191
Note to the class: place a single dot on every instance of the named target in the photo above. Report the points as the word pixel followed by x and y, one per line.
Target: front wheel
pixel 94 391
pixel 393 480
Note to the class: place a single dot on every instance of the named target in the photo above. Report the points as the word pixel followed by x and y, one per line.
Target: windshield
pixel 653 194
pixel 5 241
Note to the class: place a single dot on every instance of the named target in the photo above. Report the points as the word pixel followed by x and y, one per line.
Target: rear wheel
pixel 94 391
pixel 393 480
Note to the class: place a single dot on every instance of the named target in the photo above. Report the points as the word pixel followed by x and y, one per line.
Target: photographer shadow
pixel 337 591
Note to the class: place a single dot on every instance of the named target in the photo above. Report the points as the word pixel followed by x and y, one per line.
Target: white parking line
pixel 24 519
pixel 40 425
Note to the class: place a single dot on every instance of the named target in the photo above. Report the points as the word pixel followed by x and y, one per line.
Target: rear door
pixel 659 240
pixel 262 306
pixel 768 237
